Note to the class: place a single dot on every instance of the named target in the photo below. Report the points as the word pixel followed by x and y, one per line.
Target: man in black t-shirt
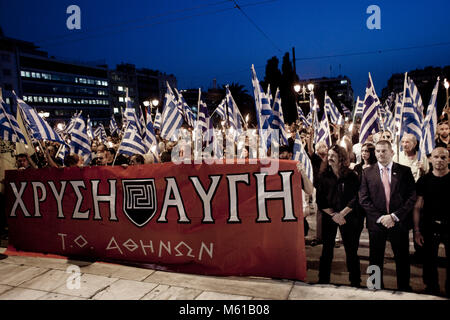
pixel 433 227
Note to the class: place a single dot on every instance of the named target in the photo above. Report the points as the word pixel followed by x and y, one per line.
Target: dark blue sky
pixel 201 40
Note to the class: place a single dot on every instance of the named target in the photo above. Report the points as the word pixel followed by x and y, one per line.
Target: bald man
pixel 433 226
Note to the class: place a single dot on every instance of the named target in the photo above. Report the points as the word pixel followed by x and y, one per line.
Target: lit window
pixel 45 99
pixel 50 99
pixel 27 74
pixel 120 88
pixel 65 100
pixel 116 110
pixel 105 83
pixel 35 99
pixel 38 75
pixel 69 100
pixel 60 100
pixel 23 74
pixel 33 75
pixel 25 98
pixel 41 99
pixel 121 99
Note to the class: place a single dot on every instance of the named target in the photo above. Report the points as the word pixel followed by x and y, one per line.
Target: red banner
pixel 216 219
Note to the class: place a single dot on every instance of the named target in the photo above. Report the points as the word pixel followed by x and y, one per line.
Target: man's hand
pixel 339 219
pixel 387 221
pixel 418 238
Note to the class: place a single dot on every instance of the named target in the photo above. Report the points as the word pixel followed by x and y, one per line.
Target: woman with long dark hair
pixel 368 158
pixel 337 191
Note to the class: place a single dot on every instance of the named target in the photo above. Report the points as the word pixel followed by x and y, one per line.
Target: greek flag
pixel 323 131
pixel 157 122
pixel 100 133
pixel 398 112
pixel 277 119
pixel 430 123
pixel 301 155
pixel 9 128
pixel 263 110
pixel 37 126
pixel 79 140
pixel 132 142
pixel 347 112
pixel 220 110
pixel 301 115
pixel 62 152
pixel 234 115
pixel 185 109
pixel 113 128
pixel 359 107
pixel 411 120
pixel 416 98
pixel 172 118
pixel 369 122
pixel 309 119
pixel 133 118
pixel 332 111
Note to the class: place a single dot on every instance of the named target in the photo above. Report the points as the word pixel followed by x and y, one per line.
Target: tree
pixel 287 93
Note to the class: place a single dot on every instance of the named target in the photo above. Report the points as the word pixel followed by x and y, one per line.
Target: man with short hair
pixel 443 138
pixel 387 194
pixel 433 226
pixel 23 161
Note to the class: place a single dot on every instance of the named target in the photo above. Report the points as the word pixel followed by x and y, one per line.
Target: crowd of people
pixel 383 184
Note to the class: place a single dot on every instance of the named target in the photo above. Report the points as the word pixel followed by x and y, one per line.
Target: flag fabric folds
pixel 430 123
pixel 277 119
pixel 299 154
pixel 332 111
pixel 172 118
pixel 9 128
pixel 369 122
pixel 37 126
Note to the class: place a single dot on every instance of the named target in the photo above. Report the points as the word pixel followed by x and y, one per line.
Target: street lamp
pixel 146 103
pixel 310 87
pixel 297 88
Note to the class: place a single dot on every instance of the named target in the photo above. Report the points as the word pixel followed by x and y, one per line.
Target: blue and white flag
pixel 9 128
pixel 412 121
pixel 301 115
pixel 134 117
pixel 185 109
pixel 301 155
pixel 332 111
pixel 346 111
pixel 157 122
pixel 277 119
pixel 113 128
pixel 79 140
pixel 37 126
pixel 416 98
pixel 359 107
pixel 322 132
pixel 172 118
pixel 220 110
pixel 132 142
pixel 430 123
pixel 233 117
pixel 100 133
pixel 369 122
pixel 269 95
pixel 263 109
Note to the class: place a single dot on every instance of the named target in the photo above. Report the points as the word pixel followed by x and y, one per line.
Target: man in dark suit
pixel 387 194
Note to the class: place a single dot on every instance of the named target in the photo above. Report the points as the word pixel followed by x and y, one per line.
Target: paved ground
pixel 35 278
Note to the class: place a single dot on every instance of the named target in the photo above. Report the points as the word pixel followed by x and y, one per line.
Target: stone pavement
pixel 37 278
